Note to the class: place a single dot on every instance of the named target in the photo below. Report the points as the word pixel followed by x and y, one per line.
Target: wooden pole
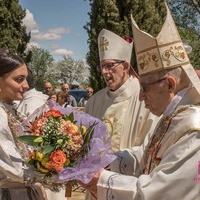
pixel 68 189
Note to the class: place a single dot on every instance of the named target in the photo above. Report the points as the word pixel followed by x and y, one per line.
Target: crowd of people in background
pixel 61 95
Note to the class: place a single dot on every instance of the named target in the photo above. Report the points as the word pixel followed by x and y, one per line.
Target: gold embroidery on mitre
pixel 176 52
pixel 146 58
pixel 104 43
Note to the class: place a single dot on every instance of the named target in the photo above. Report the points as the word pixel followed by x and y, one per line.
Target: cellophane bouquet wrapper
pixel 99 154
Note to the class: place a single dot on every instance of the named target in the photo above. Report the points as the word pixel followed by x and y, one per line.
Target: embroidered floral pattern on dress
pixel 14 125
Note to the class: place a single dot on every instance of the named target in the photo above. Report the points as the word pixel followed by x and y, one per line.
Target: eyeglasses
pixel 110 65
pixel 89 91
pixel 145 87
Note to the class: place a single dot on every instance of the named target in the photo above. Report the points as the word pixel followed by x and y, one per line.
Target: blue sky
pixel 57 26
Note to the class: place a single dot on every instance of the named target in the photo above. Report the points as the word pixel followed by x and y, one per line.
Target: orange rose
pixel 52 166
pixel 58 157
pixel 56 161
pixel 54 113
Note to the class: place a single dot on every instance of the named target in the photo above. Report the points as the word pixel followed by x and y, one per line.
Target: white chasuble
pixel 175 176
pixel 125 116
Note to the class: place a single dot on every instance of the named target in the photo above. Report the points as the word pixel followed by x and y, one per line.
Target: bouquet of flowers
pixel 66 143
pixel 58 140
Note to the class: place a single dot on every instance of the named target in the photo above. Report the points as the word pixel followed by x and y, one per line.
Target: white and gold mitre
pixel 112 46
pixel 163 52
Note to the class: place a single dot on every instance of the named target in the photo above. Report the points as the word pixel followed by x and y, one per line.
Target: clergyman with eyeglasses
pixel 118 104
pixel 127 119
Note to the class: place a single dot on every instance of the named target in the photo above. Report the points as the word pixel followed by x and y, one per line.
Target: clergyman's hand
pixel 92 185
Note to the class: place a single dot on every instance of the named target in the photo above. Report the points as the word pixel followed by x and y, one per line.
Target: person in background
pixel 64 99
pixel 13 173
pixel 118 105
pixel 48 88
pixel 61 98
pixel 65 87
pixel 53 96
pixel 84 100
pixel 32 100
pixel 170 88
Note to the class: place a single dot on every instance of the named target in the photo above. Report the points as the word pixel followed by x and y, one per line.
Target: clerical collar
pixel 125 91
pixel 175 101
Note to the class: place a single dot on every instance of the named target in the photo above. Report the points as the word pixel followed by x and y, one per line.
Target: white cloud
pixel 34 31
pixel 45 36
pixel 29 21
pixel 37 36
pixel 51 34
pixel 62 52
pixel 59 31
pixel 33 44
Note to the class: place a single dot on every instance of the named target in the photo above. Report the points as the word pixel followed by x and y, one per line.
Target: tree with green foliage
pixel 13 34
pixel 41 61
pixel 104 14
pixel 114 15
pixel 187 18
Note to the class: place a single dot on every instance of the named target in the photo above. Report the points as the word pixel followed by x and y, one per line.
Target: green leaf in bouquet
pixel 89 133
pixel 70 117
pixel 87 138
pixel 30 140
pixel 31 162
pixel 47 149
